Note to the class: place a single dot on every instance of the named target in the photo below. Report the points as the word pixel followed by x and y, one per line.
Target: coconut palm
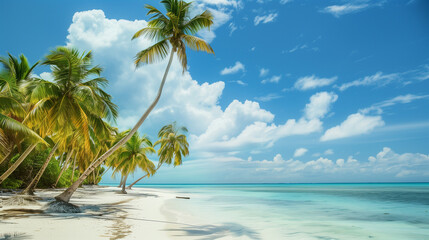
pixel 74 103
pixel 14 108
pixel 131 155
pixel 173 147
pixel 173 31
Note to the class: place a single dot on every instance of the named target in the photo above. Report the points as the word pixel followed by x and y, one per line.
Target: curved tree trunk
pixel 138 180
pixel 74 167
pixel 122 181
pixel 30 188
pixel 64 168
pixel 7 155
pixel 123 185
pixel 66 195
pixel 17 163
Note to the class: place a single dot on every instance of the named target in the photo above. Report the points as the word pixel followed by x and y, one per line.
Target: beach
pixel 106 214
pixel 260 211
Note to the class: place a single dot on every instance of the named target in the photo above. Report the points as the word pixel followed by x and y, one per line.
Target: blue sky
pixel 298 91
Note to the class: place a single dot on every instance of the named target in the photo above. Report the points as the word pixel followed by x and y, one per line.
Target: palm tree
pixel 13 106
pixel 173 30
pixel 173 145
pixel 14 109
pixel 73 104
pixel 131 155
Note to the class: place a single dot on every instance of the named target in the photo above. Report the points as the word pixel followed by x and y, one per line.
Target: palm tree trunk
pixel 138 180
pixel 17 163
pixel 123 185
pixel 64 167
pixel 93 177
pixel 7 155
pixel 66 195
pixel 74 167
pixel 122 181
pixel 30 188
pixel 132 184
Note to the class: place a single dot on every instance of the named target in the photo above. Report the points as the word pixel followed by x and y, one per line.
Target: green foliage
pixel 23 175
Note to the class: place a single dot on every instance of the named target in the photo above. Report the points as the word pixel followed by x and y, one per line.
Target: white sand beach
pixel 106 214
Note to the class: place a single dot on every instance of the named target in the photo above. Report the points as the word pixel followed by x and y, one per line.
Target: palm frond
pixel 197 44
pixel 154 53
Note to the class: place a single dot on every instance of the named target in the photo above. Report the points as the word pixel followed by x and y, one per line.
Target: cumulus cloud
pixel 265 18
pixel 329 152
pixel 312 82
pixel 247 126
pixel 320 104
pixel 238 67
pixel 273 79
pixel 300 152
pixel 355 124
pixel 385 166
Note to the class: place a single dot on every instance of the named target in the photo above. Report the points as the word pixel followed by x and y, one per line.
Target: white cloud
pixel 379 79
pixel 378 107
pixel 320 104
pixel 233 69
pixel 247 126
pixel 329 152
pixel 273 79
pixel 263 72
pixel 241 83
pixel 232 28
pixel 385 166
pixel 285 1
pixel 47 76
pixel 268 97
pixel 298 47
pixel 340 162
pixel 339 10
pixel 312 82
pixel 222 11
pixel 265 19
pixel 355 124
pixel 300 152
pixel 221 3
pixel 402 165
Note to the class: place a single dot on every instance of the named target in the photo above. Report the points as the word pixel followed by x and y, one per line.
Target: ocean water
pixel 307 211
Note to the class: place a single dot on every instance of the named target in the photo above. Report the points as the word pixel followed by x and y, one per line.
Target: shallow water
pixel 311 211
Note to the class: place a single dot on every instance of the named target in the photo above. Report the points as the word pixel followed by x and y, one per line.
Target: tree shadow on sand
pixel 208 232
pixel 14 236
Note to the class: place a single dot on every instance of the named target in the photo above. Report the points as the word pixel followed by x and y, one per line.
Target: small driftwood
pixel 183 197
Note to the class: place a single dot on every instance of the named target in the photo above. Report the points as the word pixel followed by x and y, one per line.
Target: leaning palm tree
pixel 131 155
pixel 173 30
pixel 173 145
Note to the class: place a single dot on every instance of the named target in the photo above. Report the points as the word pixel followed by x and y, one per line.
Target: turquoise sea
pixel 310 211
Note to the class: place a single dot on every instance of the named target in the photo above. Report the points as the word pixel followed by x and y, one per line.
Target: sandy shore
pixel 106 214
